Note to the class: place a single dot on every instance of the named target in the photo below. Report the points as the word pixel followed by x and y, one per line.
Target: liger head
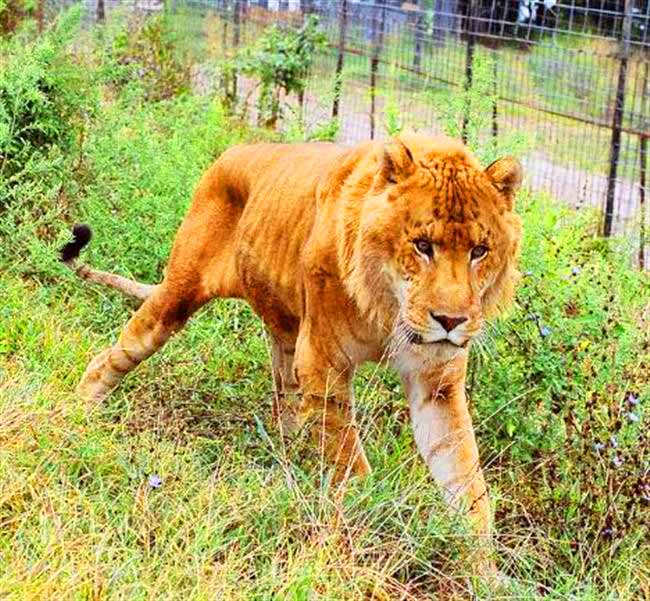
pixel 442 231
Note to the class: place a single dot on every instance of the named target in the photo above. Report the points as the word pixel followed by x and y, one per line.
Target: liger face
pixel 442 270
pixel 448 240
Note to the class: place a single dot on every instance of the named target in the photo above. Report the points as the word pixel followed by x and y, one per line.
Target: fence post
pixel 338 74
pixel 643 173
pixel 470 12
pixel 236 39
pixel 643 182
pixel 101 12
pixel 307 7
pixel 224 30
pixel 418 31
pixel 236 22
pixel 617 121
pixel 378 42
pixel 495 90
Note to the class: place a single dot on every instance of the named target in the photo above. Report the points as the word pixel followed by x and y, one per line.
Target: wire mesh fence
pixel 567 82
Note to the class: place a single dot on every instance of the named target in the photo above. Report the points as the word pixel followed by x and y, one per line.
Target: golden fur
pixel 391 252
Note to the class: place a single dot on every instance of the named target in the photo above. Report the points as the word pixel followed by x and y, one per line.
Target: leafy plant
pixel 562 386
pixel 392 117
pixel 228 85
pixel 470 112
pixel 14 12
pixel 146 53
pixel 296 130
pixel 46 97
pixel 327 131
pixel 280 61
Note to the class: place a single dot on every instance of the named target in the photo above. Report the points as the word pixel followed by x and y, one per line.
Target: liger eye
pixel 424 247
pixel 478 252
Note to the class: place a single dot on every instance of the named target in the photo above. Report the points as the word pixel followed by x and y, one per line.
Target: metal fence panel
pixel 570 77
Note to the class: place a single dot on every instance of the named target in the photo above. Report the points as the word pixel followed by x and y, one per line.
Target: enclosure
pixel 179 486
pixel 568 81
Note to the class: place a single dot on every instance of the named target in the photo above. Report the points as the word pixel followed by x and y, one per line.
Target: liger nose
pixel 448 323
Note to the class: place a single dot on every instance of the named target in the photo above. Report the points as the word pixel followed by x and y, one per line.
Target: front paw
pixel 488 580
pixel 285 416
pixel 92 390
pixel 95 384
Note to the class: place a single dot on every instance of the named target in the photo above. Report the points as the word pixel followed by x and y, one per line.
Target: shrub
pixel 392 117
pixel 145 52
pixel 13 13
pixel 561 390
pixel 46 96
pixel 280 61
pixel 146 159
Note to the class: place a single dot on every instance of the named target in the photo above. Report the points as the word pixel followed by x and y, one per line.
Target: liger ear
pixel 397 161
pixel 506 175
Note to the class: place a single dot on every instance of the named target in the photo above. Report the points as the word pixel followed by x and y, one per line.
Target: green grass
pixel 241 515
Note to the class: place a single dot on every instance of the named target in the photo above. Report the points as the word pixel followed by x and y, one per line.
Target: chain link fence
pixel 568 82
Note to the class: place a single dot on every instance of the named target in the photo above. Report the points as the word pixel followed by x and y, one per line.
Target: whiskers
pixel 484 341
pixel 400 339
pixel 403 337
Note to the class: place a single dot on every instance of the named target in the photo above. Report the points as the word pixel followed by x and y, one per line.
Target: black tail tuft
pixel 81 235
